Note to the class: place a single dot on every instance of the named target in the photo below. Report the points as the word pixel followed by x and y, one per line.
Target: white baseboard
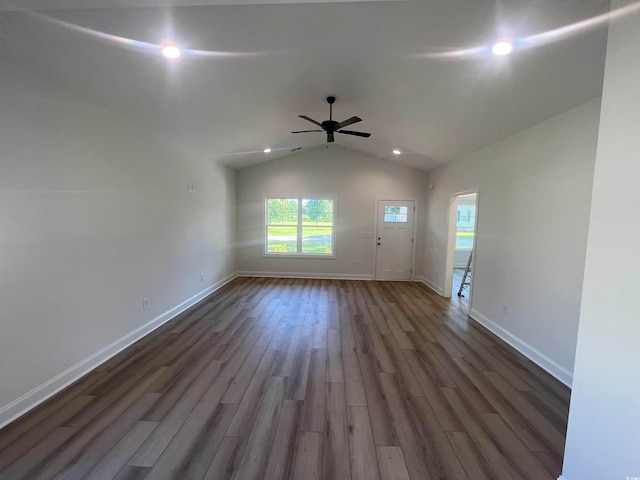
pixel 533 354
pixel 320 276
pixel 562 478
pixel 38 395
pixel 430 284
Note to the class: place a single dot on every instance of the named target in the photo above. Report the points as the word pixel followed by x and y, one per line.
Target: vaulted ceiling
pixel 409 69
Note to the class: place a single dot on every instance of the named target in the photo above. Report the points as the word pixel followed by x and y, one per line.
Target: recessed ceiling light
pixel 502 47
pixel 171 51
pixel 396 151
pixel 266 150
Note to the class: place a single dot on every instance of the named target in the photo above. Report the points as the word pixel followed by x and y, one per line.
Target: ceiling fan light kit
pixel 331 126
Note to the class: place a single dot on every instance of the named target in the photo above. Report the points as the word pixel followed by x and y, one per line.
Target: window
pixel 299 226
pixel 395 214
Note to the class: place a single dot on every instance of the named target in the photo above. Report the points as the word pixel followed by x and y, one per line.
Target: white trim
pixel 533 354
pixel 314 256
pixel 562 478
pixel 451 242
pixel 433 286
pixel 38 395
pixel 319 276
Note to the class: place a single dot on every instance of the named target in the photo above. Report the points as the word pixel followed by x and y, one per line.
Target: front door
pixel 394 239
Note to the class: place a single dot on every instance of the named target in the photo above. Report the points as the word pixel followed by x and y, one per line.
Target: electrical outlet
pixel 145 303
pixel 505 309
pixel 202 277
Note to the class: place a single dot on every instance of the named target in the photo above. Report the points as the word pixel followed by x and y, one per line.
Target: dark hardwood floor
pixel 303 379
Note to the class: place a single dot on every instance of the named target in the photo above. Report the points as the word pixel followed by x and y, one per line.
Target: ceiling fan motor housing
pixel 330 125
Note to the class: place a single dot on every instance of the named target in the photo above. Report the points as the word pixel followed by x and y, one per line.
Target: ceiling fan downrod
pixel 331 101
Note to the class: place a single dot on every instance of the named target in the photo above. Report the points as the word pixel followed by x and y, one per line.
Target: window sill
pixel 298 255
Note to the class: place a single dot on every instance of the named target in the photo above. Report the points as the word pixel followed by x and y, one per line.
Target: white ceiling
pixel 288 57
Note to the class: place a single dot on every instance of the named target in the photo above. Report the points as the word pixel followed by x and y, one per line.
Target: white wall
pixel 354 178
pixel 533 212
pixel 603 439
pixel 94 217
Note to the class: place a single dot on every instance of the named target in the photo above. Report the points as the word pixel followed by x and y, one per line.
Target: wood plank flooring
pixel 289 379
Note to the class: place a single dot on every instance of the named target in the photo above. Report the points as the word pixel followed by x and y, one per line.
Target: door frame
pixel 451 241
pixel 393 198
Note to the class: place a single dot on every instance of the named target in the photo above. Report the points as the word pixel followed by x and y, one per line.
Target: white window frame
pixel 299 253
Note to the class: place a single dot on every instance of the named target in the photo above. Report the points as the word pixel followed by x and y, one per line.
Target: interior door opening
pixel 460 249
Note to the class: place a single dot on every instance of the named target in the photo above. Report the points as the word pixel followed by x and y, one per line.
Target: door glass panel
pixel 393 214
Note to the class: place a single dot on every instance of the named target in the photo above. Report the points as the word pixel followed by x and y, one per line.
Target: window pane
pixel 317 212
pixel 282 211
pixel 326 206
pixel 274 211
pixel 290 211
pixel 395 214
pixel 282 239
pixel 317 240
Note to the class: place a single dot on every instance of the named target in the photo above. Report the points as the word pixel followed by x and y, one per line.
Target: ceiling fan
pixel 331 126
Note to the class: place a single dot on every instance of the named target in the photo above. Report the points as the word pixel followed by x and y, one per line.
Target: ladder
pixel 466 279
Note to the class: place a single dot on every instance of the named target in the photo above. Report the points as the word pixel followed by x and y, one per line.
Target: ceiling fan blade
pixel 358 134
pixel 310 120
pixel 304 131
pixel 330 137
pixel 349 121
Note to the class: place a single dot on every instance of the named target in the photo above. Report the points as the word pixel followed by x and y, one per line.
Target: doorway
pixel 461 244
pixel 394 239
